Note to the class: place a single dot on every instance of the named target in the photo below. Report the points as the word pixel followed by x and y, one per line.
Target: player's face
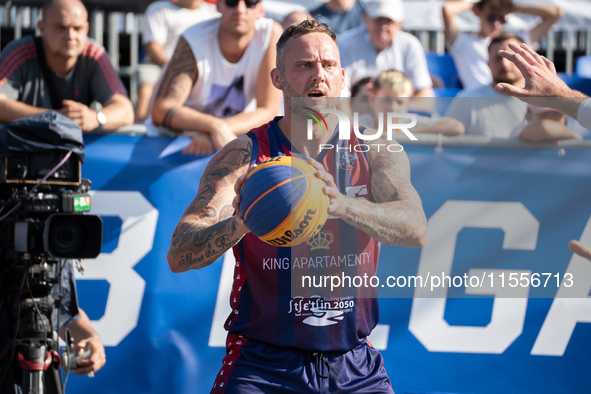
pixel 64 30
pixel 503 70
pixel 381 31
pixel 312 70
pixel 237 17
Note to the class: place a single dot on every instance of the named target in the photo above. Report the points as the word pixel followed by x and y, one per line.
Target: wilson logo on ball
pixel 282 201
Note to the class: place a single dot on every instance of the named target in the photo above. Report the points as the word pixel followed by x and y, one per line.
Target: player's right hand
pixel 236 201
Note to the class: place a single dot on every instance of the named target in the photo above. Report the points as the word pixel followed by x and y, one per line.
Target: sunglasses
pixel 248 3
pixel 493 18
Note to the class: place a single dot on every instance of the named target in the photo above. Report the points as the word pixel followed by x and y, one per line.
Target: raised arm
pixel 449 11
pixel 543 88
pixel 267 96
pixel 396 217
pixel 176 85
pixel 207 228
pixel 549 14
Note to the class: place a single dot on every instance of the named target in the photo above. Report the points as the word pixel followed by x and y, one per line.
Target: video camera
pixel 43 223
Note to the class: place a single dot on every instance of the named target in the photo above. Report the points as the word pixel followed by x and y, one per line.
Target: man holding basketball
pixel 304 343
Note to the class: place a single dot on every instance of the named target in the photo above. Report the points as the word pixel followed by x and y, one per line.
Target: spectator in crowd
pixel 165 21
pixel 380 44
pixel 544 88
pixel 62 70
pixel 361 92
pixel 392 91
pixel 470 51
pixel 217 84
pixel 295 17
pixel 340 15
pixel 491 114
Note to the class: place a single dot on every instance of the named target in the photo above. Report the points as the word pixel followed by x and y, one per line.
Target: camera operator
pixel 62 70
pixel 70 316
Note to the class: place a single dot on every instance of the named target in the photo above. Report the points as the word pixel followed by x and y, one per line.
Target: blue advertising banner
pixel 491 211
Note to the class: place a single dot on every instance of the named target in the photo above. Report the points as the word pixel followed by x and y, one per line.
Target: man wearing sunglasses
pixel 470 52
pixel 216 85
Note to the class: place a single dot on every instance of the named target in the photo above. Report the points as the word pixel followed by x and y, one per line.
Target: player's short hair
pixel 497 7
pixel 398 81
pixel 504 36
pixel 296 30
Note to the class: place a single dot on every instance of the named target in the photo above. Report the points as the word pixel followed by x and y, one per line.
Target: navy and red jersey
pixel 269 301
pixel 92 78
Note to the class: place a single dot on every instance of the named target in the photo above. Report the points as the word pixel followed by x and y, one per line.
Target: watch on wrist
pixel 101 119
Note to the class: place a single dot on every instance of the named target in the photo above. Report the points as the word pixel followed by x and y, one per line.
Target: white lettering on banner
pixel 126 289
pixel 571 305
pixel 427 322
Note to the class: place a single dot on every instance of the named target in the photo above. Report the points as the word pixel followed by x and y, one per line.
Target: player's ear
pixel 275 79
pixel 40 26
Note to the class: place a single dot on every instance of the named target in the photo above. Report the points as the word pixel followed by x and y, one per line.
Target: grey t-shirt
pixel 92 78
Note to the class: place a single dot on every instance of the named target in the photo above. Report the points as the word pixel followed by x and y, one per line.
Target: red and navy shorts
pixel 252 367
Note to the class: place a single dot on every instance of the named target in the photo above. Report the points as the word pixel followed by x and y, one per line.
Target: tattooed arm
pixel 396 217
pixel 176 85
pixel 208 228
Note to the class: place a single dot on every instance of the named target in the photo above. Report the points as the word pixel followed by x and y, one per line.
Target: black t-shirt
pixel 92 78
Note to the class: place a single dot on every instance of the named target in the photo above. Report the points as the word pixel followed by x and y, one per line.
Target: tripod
pixel 34 347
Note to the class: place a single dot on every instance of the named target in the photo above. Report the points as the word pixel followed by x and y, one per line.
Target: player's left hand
pixel 81 114
pixel 97 358
pixel 338 202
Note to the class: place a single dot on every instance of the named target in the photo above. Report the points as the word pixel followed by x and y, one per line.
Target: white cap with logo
pixel 392 9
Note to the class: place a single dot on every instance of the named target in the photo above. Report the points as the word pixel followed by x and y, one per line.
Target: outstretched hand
pixel 540 76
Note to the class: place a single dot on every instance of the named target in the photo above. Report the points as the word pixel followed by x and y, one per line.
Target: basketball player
pixel 278 342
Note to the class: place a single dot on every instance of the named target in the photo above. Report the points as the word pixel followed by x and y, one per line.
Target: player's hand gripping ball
pixel 282 201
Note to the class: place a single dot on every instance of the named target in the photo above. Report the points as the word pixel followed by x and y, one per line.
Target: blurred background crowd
pixel 394 53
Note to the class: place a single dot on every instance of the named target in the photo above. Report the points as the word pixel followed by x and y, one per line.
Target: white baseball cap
pixel 392 9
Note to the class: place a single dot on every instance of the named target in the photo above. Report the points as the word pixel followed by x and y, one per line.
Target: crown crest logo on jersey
pixel 322 240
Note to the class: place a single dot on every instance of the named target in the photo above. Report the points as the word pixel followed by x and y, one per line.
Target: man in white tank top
pixel 218 83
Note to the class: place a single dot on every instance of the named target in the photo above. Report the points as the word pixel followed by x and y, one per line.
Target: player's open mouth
pixel 316 93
